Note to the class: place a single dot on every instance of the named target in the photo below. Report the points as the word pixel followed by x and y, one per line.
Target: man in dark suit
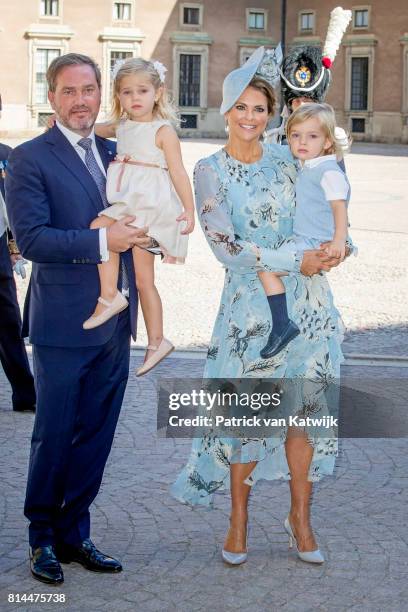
pixel 13 354
pixel 55 187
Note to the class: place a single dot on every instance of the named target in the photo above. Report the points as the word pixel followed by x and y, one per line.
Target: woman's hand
pixel 188 217
pixel 316 261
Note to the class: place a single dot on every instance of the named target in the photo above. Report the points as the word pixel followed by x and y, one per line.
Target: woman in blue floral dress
pixel 245 201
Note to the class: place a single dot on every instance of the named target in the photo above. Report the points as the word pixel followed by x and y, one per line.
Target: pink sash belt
pixel 128 160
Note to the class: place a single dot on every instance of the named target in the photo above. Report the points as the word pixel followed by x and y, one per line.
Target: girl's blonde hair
pixel 164 108
pixel 326 117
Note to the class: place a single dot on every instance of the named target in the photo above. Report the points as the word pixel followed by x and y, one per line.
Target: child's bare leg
pixel 149 297
pixel 271 282
pixel 108 270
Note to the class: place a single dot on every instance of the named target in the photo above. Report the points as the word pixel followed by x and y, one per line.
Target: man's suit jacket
pixel 51 200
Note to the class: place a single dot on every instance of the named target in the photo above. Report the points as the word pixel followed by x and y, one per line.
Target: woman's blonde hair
pixel 164 108
pixel 326 117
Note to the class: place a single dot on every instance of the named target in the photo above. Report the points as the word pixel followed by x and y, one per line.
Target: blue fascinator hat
pixel 263 64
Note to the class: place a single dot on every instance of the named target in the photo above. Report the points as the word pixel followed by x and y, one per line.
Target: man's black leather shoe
pixel 276 343
pixel 45 565
pixel 89 556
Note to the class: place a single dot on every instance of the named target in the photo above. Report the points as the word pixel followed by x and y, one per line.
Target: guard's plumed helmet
pixel 303 75
pixel 306 71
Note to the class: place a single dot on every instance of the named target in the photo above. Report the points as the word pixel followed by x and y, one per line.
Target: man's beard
pixel 72 122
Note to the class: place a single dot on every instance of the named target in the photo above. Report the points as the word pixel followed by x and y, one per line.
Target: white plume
pixel 342 139
pixel 339 20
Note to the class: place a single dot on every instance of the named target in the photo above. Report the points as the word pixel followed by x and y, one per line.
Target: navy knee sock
pixel 279 312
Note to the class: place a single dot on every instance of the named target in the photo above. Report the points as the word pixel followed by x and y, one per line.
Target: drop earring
pixel 226 128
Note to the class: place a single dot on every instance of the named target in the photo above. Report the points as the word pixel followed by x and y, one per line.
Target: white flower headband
pixel 161 70
pixel 116 67
pixel 158 66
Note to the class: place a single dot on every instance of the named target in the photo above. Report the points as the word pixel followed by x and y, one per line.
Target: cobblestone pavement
pixel 371 290
pixel 171 553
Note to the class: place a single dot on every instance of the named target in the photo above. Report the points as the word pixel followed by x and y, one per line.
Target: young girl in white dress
pixel 148 181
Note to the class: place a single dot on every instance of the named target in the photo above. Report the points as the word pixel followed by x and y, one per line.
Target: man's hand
pixel 121 236
pixel 316 261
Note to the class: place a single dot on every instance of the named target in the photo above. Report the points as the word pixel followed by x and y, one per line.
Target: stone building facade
pixel 200 42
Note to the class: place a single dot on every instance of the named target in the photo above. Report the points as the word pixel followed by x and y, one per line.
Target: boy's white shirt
pixel 311 163
pixel 333 182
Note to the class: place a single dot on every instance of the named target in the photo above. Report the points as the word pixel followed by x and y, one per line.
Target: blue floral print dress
pixel 241 205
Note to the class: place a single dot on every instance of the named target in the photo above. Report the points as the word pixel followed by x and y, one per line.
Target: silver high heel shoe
pixel 313 556
pixel 235 558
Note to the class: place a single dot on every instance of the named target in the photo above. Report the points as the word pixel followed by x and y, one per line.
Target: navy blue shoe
pixel 45 565
pixel 88 556
pixel 276 343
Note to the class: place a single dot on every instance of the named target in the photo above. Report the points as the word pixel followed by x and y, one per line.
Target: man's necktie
pixel 100 180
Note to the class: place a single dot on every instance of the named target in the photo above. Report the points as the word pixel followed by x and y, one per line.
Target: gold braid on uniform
pixel 13 248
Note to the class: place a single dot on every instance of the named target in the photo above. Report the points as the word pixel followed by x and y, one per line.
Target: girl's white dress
pixel 138 183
